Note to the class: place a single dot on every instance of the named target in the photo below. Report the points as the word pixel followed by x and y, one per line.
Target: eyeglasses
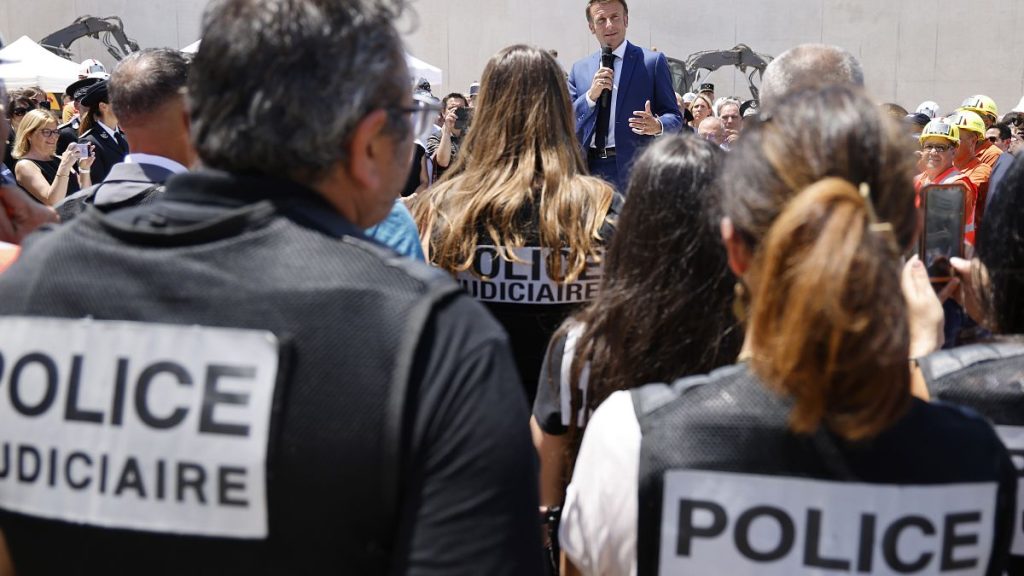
pixel 421 116
pixel 993 139
pixel 940 148
pixel 47 133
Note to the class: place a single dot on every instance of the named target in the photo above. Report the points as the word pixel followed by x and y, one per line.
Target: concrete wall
pixel 911 50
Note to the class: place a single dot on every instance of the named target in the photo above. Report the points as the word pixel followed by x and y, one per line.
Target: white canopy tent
pixel 33 65
pixel 420 69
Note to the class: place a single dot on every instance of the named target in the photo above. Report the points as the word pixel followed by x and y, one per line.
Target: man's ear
pixel 365 149
pixel 736 250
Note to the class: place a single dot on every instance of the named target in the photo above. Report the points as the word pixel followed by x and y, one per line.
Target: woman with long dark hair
pixel 811 454
pixel 517 220
pixel 643 326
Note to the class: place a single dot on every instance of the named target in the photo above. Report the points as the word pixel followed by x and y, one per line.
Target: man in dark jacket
pixel 147 92
pixel 247 384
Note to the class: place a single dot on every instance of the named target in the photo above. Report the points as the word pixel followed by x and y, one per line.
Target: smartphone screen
pixel 943 237
pixel 462 116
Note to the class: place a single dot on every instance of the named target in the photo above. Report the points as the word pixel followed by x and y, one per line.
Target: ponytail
pixel 88 120
pixel 828 324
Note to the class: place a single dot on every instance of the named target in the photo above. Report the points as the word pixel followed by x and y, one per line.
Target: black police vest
pixel 348 316
pixel 725 488
pixel 988 378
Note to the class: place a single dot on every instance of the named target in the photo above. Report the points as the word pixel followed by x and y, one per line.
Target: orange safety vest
pixel 952 176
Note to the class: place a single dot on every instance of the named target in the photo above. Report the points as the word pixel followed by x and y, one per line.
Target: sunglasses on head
pixel 21 111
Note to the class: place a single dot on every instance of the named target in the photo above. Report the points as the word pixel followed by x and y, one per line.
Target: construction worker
pixel 972 135
pixel 986 108
pixel 940 145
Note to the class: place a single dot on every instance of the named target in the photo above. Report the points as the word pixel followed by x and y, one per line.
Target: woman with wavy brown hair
pixel 811 454
pixel 516 219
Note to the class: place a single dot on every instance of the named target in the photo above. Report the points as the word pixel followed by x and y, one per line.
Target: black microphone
pixel 607 61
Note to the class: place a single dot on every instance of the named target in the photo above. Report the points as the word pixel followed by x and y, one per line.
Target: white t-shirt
pixel 599 517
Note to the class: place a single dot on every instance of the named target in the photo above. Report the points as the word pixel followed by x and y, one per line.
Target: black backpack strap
pixel 944 362
pixel 649 398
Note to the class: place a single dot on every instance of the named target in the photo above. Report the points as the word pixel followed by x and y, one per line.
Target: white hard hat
pixel 929 109
pixel 90 66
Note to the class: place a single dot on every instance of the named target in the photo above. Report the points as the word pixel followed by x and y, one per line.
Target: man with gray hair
pixel 246 383
pixel 712 130
pixel 808 66
pixel 147 92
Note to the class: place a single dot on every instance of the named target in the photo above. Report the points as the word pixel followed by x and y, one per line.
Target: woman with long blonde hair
pixel 516 219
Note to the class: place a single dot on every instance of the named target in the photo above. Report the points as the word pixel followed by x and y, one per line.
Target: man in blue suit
pixel 643 103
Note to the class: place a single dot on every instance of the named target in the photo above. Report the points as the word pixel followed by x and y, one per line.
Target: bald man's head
pixel 808 66
pixel 712 129
pixel 147 91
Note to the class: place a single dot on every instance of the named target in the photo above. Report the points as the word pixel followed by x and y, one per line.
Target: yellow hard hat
pixel 940 129
pixel 967 120
pixel 981 105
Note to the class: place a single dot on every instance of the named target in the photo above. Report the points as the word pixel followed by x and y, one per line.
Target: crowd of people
pixel 569 322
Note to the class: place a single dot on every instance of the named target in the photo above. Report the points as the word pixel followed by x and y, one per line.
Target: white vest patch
pixel 725 523
pixel 526 281
pixel 139 426
pixel 1013 438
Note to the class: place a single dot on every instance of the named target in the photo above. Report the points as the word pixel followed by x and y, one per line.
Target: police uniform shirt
pixel 523 298
pixel 67 133
pixel 600 528
pixel 220 250
pixel 110 147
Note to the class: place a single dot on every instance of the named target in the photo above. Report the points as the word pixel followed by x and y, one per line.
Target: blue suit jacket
pixel 644 76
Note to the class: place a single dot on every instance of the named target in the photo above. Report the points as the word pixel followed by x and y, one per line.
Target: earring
pixel 739 302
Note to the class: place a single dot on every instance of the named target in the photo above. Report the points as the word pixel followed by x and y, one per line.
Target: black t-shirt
pixel 553 398
pixel 49 169
pixel 468 486
pixel 522 296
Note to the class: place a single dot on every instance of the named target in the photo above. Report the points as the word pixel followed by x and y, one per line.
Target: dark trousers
pixel 607 169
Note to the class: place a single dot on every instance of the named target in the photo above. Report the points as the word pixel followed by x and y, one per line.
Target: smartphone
pixel 944 209
pixel 83 149
pixel 462 118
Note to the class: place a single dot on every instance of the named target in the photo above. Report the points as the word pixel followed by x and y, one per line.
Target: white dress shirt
pixel 619 53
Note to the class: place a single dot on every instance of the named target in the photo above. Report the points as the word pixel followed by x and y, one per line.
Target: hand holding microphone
pixel 601 88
